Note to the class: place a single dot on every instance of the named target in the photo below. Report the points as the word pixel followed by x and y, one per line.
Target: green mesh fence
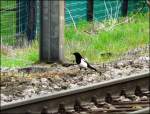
pixel 136 5
pixel 7 21
pixel 14 22
pixel 76 9
pixel 14 17
pixel 106 9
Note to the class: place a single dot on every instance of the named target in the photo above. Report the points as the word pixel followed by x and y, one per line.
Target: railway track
pixel 129 95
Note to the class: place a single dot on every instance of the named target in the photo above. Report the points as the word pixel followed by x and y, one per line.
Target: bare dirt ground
pixel 19 84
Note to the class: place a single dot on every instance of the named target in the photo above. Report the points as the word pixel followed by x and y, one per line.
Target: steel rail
pixel 85 93
pixel 142 111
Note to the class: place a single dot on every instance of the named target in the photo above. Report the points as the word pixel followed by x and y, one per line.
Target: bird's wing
pixel 83 63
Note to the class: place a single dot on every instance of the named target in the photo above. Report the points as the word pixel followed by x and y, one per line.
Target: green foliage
pixel 21 57
pixel 121 38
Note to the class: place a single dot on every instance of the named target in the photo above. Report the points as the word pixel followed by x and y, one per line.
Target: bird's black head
pixel 78 57
pixel 76 54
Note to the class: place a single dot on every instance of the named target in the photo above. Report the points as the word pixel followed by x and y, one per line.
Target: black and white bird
pixel 82 62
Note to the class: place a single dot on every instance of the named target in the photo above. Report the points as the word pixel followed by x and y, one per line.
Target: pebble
pixel 56 87
pixel 44 86
pixel 73 85
pixel 44 80
pixel 28 92
pixel 34 81
pixel 43 92
pixel 145 59
pixel 3 96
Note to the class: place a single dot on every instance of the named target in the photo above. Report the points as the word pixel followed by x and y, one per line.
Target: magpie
pixel 82 62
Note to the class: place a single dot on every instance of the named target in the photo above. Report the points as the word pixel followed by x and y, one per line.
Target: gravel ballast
pixel 20 84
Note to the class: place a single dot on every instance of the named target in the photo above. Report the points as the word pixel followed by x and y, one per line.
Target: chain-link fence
pixel 20 19
pixel 76 10
pixel 102 9
pixel 8 22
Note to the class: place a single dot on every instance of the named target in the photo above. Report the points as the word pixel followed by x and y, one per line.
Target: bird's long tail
pixel 89 66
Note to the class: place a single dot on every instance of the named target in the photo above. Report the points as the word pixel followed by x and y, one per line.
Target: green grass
pixel 117 41
pixel 123 38
pixel 21 57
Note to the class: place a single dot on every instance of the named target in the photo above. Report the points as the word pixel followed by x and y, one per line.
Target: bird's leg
pixel 100 73
pixel 80 68
pixel 85 69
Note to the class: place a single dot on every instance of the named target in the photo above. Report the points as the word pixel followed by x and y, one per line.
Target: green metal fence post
pixel 21 16
pixel 31 23
pixel 125 7
pixel 17 16
pixel 90 4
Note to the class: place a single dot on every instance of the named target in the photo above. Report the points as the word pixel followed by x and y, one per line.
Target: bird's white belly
pixel 83 64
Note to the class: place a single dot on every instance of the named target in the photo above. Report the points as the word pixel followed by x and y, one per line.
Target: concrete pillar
pixel 52 31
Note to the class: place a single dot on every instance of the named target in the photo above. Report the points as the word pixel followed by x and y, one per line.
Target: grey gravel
pixel 41 80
